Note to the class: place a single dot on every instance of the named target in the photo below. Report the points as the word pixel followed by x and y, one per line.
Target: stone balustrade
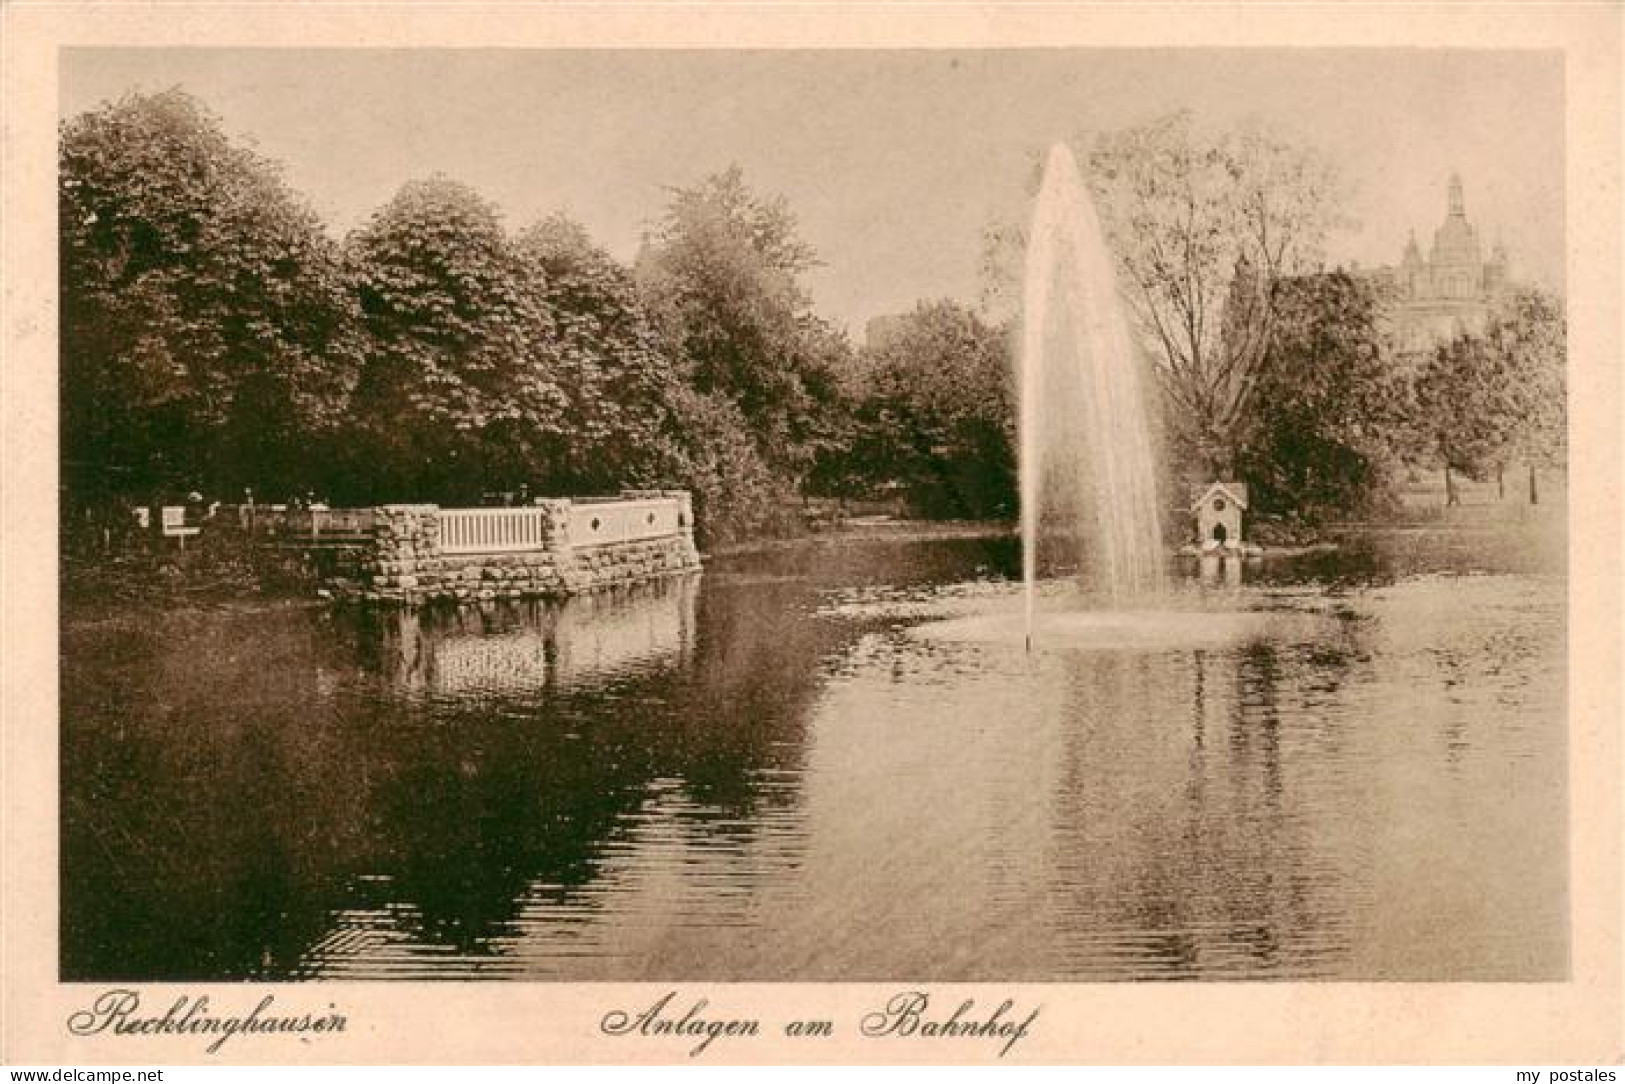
pixel 424 553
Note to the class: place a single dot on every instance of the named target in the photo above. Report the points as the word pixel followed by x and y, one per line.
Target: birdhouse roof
pixel 1236 491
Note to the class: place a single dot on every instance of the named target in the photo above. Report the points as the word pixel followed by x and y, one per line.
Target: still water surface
pixel 766 773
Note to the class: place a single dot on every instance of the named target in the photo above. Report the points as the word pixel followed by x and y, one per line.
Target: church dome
pixel 1431 300
pixel 1456 264
pixel 1455 244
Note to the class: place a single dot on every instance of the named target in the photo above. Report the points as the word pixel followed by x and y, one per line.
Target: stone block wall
pixel 407 564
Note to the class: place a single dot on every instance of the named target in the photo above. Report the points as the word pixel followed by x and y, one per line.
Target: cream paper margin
pixel 1574 1022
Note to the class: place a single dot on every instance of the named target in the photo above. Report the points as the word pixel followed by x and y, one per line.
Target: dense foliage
pixel 1328 412
pixel 621 389
pixel 1530 326
pixel 463 387
pixel 209 335
pixel 937 415
pixel 1484 400
pixel 215 337
pixel 722 278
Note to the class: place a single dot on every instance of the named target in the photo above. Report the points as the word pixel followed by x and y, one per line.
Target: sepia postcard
pixel 812 533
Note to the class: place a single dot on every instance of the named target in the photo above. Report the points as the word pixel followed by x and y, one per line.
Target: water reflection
pixel 1215 798
pixel 583 734
pixel 1108 815
pixel 1213 569
pixel 498 650
pixel 752 776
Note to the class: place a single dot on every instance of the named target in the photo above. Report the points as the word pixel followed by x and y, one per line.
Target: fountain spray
pixel 1086 464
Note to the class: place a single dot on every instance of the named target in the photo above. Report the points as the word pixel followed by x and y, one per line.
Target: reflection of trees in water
pixel 1379 557
pixel 1192 852
pixel 1355 562
pixel 231 781
pixel 206 783
pixel 524 783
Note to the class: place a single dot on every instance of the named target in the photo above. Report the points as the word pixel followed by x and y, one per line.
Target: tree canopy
pixel 722 278
pixel 209 335
pixel 214 336
pixel 619 382
pixel 1483 400
pixel 938 416
pixel 462 386
pixel 1529 329
pixel 1329 408
pixel 1203 225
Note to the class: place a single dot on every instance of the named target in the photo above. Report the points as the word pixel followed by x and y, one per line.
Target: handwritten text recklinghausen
pixel 117 1012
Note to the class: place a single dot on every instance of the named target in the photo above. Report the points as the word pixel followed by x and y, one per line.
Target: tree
pixel 999 272
pixel 1328 412
pixel 722 279
pixel 1468 405
pixel 1483 400
pixel 940 414
pixel 1203 225
pixel 209 337
pixel 1527 329
pixel 737 494
pixel 462 391
pixel 619 383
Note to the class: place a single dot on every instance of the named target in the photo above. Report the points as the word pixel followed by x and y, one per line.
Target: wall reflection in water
pixel 498 650
pixel 597 743
pixel 292 792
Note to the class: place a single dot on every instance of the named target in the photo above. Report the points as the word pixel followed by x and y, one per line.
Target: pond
pixel 767 772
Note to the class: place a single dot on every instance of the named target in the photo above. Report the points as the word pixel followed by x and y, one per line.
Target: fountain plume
pixel 1088 483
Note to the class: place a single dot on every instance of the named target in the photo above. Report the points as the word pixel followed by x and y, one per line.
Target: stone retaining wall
pixel 405 563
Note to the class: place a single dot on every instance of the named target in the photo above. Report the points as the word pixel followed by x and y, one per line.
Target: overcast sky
pixel 893 161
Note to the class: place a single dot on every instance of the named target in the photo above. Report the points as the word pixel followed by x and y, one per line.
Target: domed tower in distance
pixel 1449 292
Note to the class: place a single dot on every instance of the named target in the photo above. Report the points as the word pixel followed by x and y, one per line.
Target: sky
pixel 893 161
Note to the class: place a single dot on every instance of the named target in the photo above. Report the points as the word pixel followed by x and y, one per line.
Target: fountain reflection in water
pixel 1088 482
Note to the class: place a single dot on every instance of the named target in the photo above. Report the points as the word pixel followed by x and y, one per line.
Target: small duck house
pixel 1218 508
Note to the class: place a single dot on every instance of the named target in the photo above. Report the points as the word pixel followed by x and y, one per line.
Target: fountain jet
pixel 1088 481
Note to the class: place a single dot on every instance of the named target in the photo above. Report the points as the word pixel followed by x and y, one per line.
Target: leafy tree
pixel 999 271
pixel 737 494
pixel 1467 404
pixel 462 390
pixel 1203 224
pixel 1528 331
pixel 209 337
pixel 1482 400
pixel 940 413
pixel 722 279
pixel 1328 412
pixel 619 383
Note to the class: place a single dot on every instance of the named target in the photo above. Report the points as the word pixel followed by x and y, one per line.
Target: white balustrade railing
pixel 595 524
pixel 492 530
pixel 590 523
